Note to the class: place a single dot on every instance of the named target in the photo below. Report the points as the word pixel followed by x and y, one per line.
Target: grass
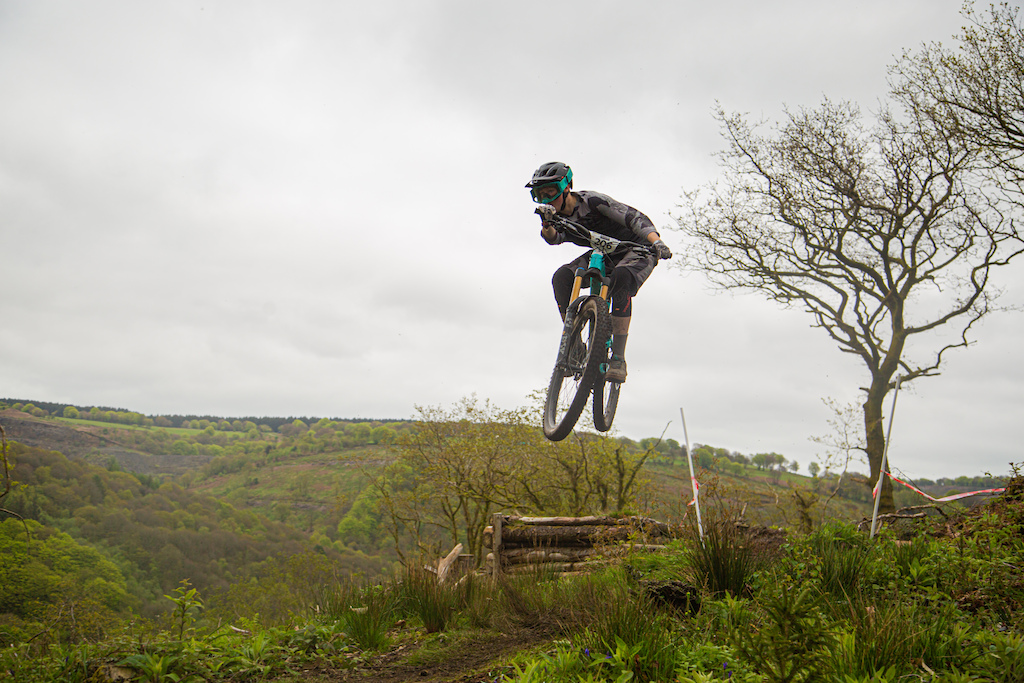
pixel 177 431
pixel 832 605
pixel 722 561
pixel 435 604
pixel 843 556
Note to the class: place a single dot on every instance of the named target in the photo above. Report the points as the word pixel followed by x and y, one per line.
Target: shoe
pixel 616 371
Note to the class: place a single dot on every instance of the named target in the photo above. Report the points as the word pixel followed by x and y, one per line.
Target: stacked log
pixel 565 545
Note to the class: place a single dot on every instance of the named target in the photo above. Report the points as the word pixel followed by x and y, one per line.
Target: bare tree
pixel 877 231
pixel 975 92
pixel 846 439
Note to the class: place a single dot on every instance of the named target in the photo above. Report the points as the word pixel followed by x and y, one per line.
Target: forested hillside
pixel 213 500
pixel 155 534
pixel 289 484
pixel 111 515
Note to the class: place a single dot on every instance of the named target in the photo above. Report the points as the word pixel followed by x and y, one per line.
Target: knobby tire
pixel 606 400
pixel 582 350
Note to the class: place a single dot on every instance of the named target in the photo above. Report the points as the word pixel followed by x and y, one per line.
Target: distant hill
pixel 83 441
pixel 90 482
pixel 311 475
pixel 175 420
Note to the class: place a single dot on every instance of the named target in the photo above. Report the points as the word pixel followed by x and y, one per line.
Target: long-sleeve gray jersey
pixel 601 214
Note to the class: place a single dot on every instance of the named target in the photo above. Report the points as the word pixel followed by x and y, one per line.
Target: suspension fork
pixel 600 284
pixel 599 281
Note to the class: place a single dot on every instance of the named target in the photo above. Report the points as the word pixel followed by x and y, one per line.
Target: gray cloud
pixel 317 208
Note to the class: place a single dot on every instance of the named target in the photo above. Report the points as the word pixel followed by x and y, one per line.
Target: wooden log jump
pixel 565 544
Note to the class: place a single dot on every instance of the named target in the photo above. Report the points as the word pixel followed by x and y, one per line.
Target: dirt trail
pixel 476 661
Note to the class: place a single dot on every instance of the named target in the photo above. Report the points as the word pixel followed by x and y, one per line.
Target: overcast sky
pixel 317 208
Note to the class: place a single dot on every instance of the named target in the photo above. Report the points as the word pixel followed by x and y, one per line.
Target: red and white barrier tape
pixel 946 499
pixel 696 488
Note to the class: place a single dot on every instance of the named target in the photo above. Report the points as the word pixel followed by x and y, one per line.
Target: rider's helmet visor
pixel 545 194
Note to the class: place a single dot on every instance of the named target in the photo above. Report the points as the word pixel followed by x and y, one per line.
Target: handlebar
pixel 602 243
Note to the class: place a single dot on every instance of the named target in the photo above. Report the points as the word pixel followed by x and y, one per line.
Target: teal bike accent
pixel 597 261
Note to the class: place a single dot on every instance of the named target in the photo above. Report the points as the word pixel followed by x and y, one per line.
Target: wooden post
pixel 444 565
pixel 693 479
pixel 496 522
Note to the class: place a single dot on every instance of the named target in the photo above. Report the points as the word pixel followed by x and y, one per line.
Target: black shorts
pixel 628 272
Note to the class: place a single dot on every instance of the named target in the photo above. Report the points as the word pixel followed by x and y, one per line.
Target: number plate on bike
pixel 605 245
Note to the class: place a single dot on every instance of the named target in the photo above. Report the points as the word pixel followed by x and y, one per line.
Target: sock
pixel 619 345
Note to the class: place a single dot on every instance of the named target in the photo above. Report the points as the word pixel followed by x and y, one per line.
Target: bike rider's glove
pixel 548 230
pixel 545 211
pixel 662 249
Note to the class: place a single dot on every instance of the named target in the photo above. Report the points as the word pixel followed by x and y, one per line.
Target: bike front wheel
pixel 581 352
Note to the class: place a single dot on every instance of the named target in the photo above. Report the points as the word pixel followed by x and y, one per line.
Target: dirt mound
pixel 766 542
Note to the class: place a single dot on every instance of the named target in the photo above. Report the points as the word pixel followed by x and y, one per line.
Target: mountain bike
pixel 585 347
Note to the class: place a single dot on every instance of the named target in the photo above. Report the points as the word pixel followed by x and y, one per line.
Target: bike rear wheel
pixel 606 400
pixel 581 352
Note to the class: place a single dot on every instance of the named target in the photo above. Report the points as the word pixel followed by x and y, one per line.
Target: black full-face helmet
pixel 549 182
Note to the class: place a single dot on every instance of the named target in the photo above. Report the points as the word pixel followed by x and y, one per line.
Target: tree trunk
pixel 874 431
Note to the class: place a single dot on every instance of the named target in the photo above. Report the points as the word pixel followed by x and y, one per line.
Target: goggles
pixel 545 194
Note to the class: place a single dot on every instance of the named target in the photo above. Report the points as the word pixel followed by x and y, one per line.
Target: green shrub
pixel 897 632
pixel 786 643
pixel 370 615
pixel 564 664
pixel 723 560
pixel 1001 656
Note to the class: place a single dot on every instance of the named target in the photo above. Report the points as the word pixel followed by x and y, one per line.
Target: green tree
pixel 877 231
pixel 183 447
pixel 71 413
pixel 360 431
pixel 704 456
pixel 457 466
pixel 382 435
pixel 454 470
pixel 363 525
pixel 36 570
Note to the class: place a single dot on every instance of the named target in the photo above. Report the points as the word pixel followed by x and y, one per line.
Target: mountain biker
pixel 551 186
